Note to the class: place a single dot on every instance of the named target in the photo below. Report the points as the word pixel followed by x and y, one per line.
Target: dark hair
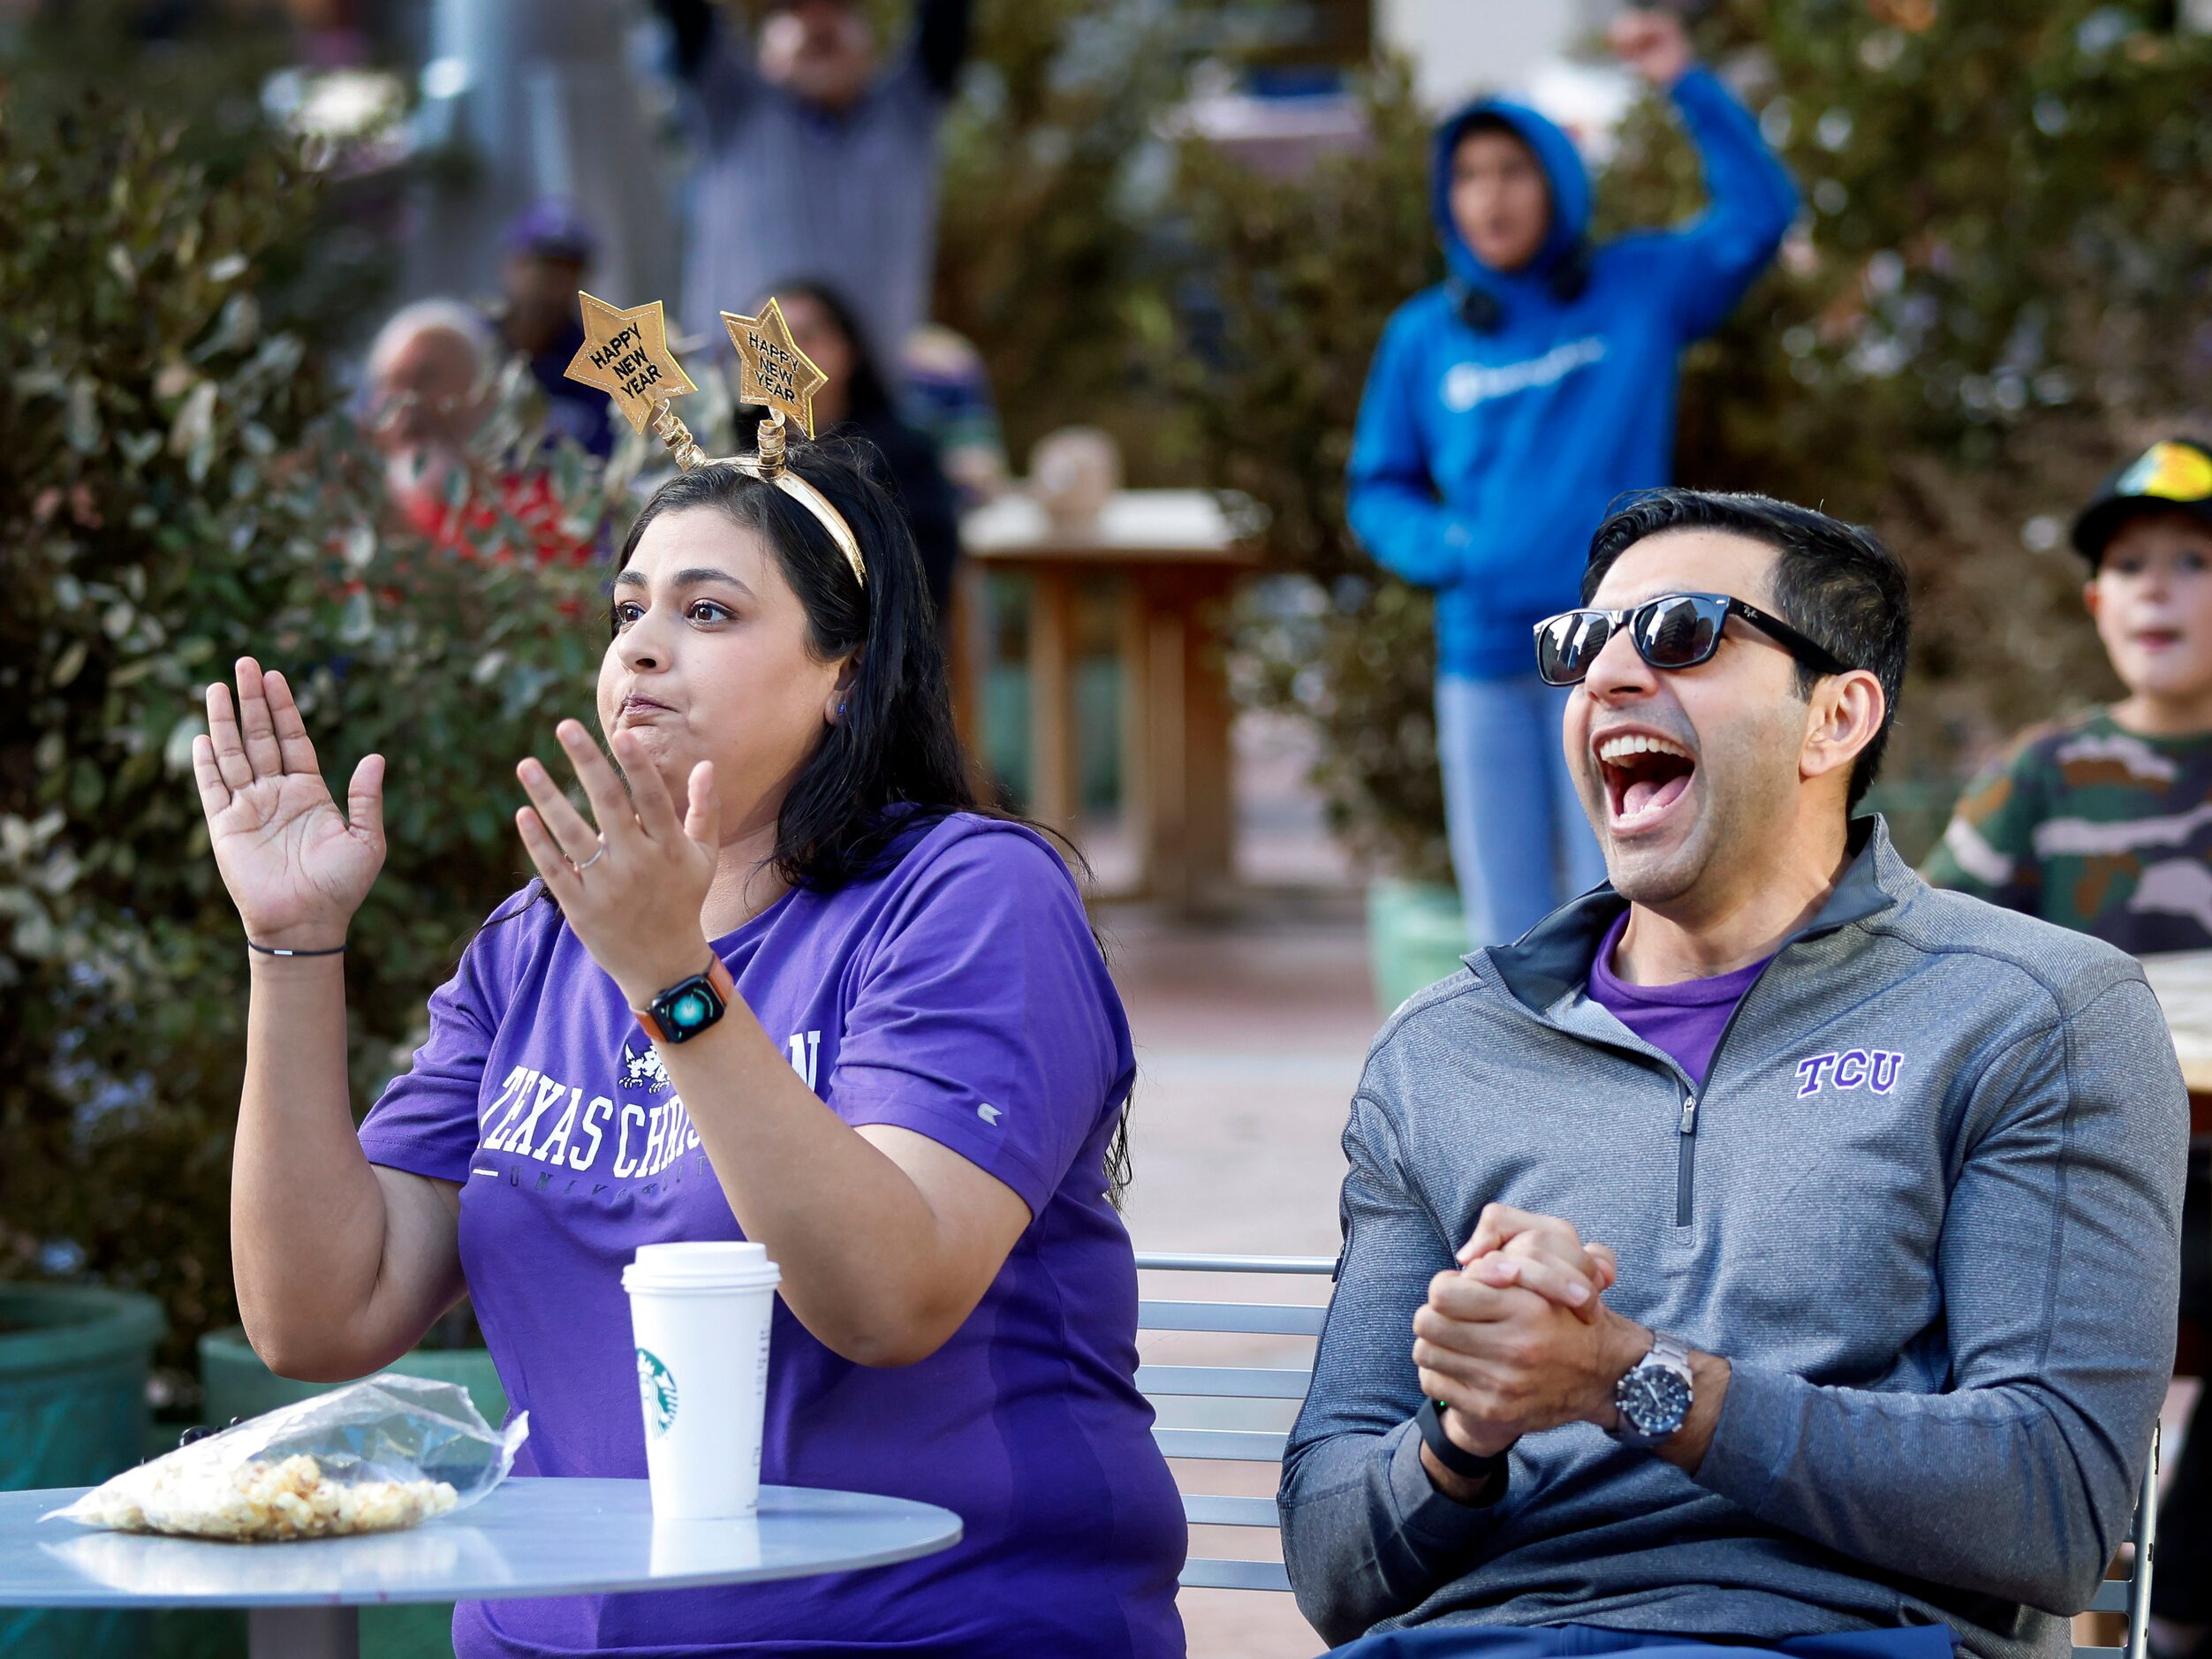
pixel 868 397
pixel 1491 121
pixel 1833 581
pixel 894 762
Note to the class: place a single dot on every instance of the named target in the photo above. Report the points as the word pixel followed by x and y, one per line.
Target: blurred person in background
pixel 430 390
pixel 949 397
pixel 814 156
pixel 2103 823
pixel 1506 408
pixel 856 403
pixel 547 254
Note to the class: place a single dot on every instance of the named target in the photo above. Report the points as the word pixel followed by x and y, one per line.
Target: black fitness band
pixel 1490 1472
pixel 270 950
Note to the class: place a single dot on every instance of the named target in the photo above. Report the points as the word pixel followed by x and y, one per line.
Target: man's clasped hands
pixel 1517 1337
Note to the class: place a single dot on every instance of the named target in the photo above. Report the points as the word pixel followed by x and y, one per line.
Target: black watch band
pixel 1466 1464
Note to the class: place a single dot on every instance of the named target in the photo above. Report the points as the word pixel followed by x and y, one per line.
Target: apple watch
pixel 1652 1395
pixel 689 1006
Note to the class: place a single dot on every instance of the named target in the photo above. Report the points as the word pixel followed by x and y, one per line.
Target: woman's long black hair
pixel 893 763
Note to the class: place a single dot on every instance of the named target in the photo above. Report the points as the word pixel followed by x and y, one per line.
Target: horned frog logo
pixel 644 1071
pixel 657 1389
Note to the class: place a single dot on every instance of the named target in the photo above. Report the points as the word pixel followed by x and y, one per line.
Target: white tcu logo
pixel 1874 1069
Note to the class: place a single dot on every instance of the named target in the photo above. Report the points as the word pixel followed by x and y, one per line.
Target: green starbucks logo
pixel 657 1389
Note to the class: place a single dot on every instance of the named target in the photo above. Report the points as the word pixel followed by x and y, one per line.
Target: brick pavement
pixel 1249 1038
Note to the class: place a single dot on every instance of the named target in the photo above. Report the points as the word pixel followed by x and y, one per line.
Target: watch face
pixel 1653 1400
pixel 690 1007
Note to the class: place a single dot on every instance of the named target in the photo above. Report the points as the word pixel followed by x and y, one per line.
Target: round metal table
pixel 530 1537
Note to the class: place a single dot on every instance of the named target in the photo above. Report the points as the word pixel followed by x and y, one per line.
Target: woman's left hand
pixel 633 889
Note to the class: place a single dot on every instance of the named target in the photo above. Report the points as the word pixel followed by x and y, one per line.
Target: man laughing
pixel 1888 1180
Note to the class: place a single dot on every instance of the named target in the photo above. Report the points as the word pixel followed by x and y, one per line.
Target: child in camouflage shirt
pixel 2103 823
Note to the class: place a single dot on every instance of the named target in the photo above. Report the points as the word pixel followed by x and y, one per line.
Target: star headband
pixel 625 355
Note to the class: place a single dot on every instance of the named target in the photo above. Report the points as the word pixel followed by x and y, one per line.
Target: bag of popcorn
pixel 373 1456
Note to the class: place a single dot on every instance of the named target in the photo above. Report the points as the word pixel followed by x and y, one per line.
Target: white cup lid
pixel 716 1265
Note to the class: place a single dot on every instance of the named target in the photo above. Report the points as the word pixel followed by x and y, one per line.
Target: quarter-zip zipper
pixel 1685 1139
pixel 1685 1162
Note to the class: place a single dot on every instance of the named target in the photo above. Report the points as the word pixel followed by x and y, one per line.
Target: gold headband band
pixel 625 355
pixel 768 465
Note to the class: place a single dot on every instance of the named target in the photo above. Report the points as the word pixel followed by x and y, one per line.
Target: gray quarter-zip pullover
pixel 1925 1203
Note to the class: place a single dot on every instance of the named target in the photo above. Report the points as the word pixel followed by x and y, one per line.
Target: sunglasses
pixel 1674 630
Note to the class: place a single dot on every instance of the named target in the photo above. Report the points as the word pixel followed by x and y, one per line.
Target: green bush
pixel 1304 271
pixel 180 485
pixel 1044 256
pixel 1998 289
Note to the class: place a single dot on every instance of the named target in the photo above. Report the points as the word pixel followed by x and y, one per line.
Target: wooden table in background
pixel 2183 981
pixel 1175 557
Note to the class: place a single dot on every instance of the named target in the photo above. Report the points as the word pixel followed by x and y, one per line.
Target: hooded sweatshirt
pixel 1484 457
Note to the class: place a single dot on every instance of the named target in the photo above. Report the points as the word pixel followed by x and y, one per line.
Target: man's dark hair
pixel 1834 582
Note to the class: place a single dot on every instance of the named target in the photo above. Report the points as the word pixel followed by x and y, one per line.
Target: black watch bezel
pixel 1653 1399
pixel 663 1008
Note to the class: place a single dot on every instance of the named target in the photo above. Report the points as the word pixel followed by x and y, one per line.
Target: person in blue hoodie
pixel 1506 408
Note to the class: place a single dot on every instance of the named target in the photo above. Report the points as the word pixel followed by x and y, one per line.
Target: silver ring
pixel 587 863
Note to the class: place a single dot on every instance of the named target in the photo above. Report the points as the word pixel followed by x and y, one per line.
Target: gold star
pixel 625 354
pixel 772 369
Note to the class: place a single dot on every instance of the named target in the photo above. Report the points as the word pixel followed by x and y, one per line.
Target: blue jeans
pixel 1583 1641
pixel 1520 845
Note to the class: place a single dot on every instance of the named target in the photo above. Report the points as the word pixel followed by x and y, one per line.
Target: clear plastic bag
pixel 373 1456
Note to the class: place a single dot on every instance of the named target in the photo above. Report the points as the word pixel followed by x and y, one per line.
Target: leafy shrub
pixel 1044 247
pixel 1304 272
pixel 180 485
pixel 2000 286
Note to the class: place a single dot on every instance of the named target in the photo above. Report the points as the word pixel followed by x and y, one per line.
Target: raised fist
pixel 1653 44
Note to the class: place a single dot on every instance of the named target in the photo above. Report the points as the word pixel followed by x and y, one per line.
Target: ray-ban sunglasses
pixel 1674 630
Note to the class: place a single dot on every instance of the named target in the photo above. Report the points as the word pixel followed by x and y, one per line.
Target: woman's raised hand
pixel 633 888
pixel 295 866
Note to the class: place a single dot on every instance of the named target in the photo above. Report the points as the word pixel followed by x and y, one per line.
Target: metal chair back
pixel 1165 1383
pixel 2129 1593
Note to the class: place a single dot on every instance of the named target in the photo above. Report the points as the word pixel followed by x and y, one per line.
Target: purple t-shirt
pixel 960 994
pixel 1683 1021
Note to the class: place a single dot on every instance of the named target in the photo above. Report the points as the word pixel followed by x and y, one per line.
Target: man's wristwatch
pixel 1652 1395
pixel 689 1006
pixel 1488 1473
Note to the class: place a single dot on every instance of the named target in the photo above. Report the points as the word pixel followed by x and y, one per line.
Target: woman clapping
pixel 887 1049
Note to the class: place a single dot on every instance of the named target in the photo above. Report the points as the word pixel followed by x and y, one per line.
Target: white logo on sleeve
pixel 989 1114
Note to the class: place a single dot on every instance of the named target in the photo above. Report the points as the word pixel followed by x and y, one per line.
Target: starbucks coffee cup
pixel 699 1314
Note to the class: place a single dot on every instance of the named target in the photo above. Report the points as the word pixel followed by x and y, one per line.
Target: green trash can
pixel 1416 934
pixel 234 1382
pixel 74 1362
